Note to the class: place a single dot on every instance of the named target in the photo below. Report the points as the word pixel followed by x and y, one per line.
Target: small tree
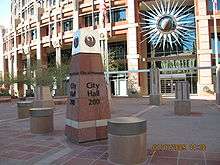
pixel 59 74
pixel 132 87
pixel 3 90
pixel 115 64
pixel 40 76
pixel 35 76
pixel 43 77
pixel 8 83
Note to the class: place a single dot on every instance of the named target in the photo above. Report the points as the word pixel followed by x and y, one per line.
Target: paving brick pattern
pixel 19 147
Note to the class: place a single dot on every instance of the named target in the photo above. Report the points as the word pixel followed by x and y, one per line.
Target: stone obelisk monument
pixel 88 105
pixel 155 94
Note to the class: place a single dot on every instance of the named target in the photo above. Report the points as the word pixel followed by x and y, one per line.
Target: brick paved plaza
pixel 19 146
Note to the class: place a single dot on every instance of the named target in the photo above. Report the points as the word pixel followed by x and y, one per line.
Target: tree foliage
pixel 114 63
pixel 40 76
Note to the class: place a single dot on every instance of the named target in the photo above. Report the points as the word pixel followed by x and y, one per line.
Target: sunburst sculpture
pixel 167 24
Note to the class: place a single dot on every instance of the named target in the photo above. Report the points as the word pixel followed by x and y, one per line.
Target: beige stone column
pixel 15 64
pixel 45 4
pixel 1 53
pixel 3 67
pixel 10 70
pixel 75 15
pixel 19 73
pixel 58 56
pixel 57 46
pixel 28 56
pixel 27 53
pixel 132 57
pixel 203 48
pixel 39 47
pixel 13 72
pixel 56 40
pixel 10 64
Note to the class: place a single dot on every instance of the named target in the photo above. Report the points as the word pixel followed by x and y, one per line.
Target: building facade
pixel 2 32
pixel 41 32
pixel 205 43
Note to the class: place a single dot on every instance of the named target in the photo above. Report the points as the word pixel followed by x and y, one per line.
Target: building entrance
pixel 168 82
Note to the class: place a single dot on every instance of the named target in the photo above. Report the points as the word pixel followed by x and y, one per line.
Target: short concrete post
pixel 41 120
pixel 127 140
pixel 23 108
pixel 155 95
pixel 182 103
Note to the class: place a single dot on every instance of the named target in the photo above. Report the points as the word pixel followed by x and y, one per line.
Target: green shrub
pixel 4 93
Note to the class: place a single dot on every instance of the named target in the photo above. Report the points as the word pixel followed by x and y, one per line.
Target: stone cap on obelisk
pixel 85 41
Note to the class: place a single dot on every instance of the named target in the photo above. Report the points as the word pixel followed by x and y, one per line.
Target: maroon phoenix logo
pixel 90 41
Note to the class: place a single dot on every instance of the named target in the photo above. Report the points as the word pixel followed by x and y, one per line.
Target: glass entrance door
pixel 168 84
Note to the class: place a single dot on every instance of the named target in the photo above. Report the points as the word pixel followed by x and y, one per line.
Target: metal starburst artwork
pixel 167 23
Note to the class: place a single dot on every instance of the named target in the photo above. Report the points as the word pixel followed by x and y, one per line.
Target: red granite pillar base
pixel 85 134
pixel 88 104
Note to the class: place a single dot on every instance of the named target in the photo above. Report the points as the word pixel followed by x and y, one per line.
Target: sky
pixel 5 12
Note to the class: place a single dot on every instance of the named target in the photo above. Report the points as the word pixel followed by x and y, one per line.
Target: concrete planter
pixel 127 140
pixel 23 108
pixel 41 120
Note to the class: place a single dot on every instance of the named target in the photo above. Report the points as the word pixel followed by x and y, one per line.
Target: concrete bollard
pixel 41 120
pixel 23 108
pixel 182 103
pixel 127 140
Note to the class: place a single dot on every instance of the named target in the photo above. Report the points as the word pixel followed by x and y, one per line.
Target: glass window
pixel 52 28
pixel 52 2
pixel 88 20
pixel 66 56
pixel 213 43
pixel 19 4
pixel 41 2
pixel 23 2
pixel 118 49
pixel 23 15
pixel 210 5
pixel 12 42
pixel 118 15
pixel 68 25
pixel 51 59
pixel 96 18
pixel 117 56
pixel 31 11
pixel 33 34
